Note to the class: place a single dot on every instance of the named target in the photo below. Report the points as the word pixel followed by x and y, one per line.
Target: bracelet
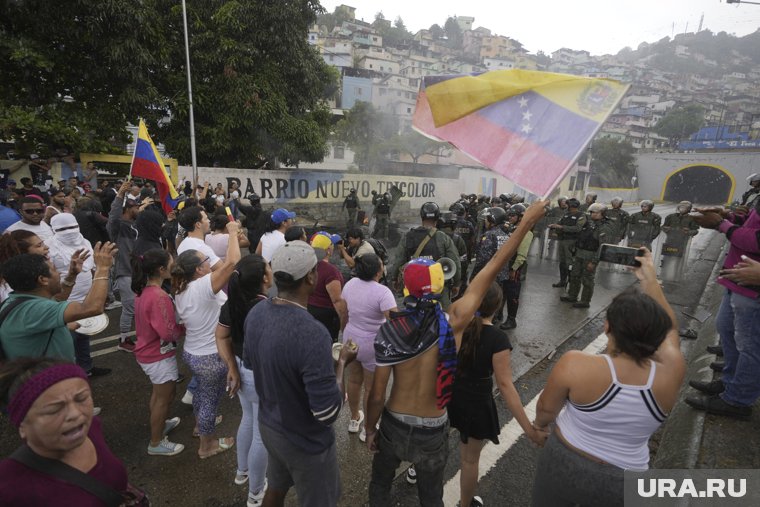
pixel 67 283
pixel 100 278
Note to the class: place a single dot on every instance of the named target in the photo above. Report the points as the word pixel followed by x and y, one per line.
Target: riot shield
pixel 673 256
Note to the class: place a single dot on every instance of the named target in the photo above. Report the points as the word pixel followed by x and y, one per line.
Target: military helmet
pixel 352 191
pixel 430 211
pixel 518 199
pixel 504 197
pixel 516 209
pixel 573 203
pixel 561 198
pixel 647 203
pixel 591 194
pixel 684 204
pixel 254 197
pixel 457 209
pixel 597 206
pixel 616 200
pixel 496 215
pixel 752 178
pixel 448 218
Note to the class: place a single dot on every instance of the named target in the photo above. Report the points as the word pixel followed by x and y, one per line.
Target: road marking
pixel 510 433
pixel 103 351
pixel 109 339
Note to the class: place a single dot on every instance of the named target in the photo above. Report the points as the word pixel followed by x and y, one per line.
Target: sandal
pixel 217 422
pixel 225 444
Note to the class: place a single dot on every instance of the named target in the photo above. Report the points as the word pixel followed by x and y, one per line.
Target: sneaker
pixel 715 349
pixel 113 305
pixel 355 424
pixel 717 366
pixel 187 399
pixel 567 299
pixel 126 346
pixel 165 448
pixel 170 424
pixel 98 372
pixel 411 475
pixel 559 284
pixel 581 304
pixel 716 405
pixel 167 347
pixel 241 478
pixel 255 499
pixel 476 502
pixel 363 435
pixel 713 387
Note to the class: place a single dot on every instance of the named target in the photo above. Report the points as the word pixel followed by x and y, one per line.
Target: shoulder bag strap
pixel 424 242
pixel 66 473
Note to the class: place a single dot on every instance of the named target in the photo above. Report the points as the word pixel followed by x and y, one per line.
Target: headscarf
pixel 67 239
pixel 27 394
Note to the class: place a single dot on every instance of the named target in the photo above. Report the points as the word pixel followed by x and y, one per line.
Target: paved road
pixel 545 325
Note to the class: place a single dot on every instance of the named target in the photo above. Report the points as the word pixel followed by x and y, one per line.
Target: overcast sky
pixel 598 26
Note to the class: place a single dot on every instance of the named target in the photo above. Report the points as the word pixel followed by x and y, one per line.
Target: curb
pixel 681 439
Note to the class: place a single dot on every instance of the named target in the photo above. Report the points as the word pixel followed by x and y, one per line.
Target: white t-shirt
pixel 5 291
pixel 199 245
pixel 270 243
pixel 83 283
pixel 219 244
pixel 198 309
pixel 43 230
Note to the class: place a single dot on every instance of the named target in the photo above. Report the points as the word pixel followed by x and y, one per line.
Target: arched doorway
pixel 699 183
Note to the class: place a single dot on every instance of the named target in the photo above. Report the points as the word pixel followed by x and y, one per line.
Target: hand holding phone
pixel 621 255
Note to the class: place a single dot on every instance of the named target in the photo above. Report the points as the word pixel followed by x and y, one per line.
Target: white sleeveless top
pixel 616 427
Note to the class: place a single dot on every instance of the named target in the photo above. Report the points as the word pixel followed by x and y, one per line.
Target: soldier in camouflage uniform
pixel 464 228
pixel 618 219
pixel 590 199
pixel 448 223
pixel 569 226
pixel 438 245
pixel 643 226
pixel 490 241
pixel 382 204
pixel 517 265
pixel 351 205
pixel 595 232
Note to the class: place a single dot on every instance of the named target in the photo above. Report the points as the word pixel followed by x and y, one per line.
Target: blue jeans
pixel 82 350
pixel 251 453
pixel 738 324
pixel 427 448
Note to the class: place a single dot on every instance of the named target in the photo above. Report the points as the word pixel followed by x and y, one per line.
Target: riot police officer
pixel 748 197
pixel 643 226
pixel 351 205
pixel 428 242
pixel 586 258
pixel 569 226
pixel 681 220
pixel 449 224
pixel 382 204
pixel 512 285
pixel 618 218
pixel 490 241
pixel 590 199
pixel 464 228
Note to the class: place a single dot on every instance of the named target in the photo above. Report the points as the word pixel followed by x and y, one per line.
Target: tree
pixel 437 32
pixel 393 35
pixel 367 132
pixel 680 123
pixel 75 81
pixel 454 33
pixel 612 163
pixel 416 145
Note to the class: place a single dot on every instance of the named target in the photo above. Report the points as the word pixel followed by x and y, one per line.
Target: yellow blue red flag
pixel 528 126
pixel 148 164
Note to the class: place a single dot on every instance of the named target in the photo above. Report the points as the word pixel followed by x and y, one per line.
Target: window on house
pixel 409 110
pixel 580 181
pixel 339 151
pixel 358 91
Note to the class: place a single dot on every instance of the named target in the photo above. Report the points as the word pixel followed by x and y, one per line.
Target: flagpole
pixel 190 95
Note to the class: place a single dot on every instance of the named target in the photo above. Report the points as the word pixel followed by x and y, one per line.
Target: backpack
pixel 379 248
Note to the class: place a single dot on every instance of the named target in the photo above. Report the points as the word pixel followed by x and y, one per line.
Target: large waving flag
pixel 528 126
pixel 147 163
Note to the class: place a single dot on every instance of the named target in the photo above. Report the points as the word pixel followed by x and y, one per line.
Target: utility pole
pixel 190 97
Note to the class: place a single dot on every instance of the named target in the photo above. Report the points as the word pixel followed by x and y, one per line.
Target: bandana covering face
pixel 67 239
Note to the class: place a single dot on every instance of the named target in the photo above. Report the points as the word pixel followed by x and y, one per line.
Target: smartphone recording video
pixel 620 255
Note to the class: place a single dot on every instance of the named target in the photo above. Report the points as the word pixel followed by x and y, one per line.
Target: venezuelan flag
pixel 148 164
pixel 528 126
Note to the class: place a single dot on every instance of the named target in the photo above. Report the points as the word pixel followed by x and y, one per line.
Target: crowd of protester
pixel 281 327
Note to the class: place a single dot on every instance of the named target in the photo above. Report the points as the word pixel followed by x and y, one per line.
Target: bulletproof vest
pixel 413 239
pixel 570 219
pixel 351 201
pixel 749 196
pixel 383 207
pixel 588 238
pixel 615 215
pixel 463 228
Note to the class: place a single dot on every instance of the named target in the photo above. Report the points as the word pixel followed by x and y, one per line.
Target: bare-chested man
pixel 414 426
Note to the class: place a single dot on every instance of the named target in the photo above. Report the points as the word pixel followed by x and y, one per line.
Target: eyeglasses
pixel 34 211
pixel 205 261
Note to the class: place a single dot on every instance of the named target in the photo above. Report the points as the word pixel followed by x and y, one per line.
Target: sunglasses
pixel 33 211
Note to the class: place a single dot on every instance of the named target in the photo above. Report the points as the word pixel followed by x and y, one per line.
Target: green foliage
pixel 454 33
pixel 416 145
pixel 612 163
pixel 437 32
pixel 367 132
pixel 75 81
pixel 680 123
pixel 393 35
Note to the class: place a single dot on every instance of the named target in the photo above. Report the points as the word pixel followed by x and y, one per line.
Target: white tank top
pixel 616 427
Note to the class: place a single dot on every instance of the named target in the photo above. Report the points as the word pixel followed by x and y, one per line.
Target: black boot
pixel 562 276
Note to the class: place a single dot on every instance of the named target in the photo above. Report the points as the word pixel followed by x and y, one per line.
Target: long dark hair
pixel 184 270
pixel 246 284
pixel 367 267
pixel 147 265
pixel 471 337
pixel 15 243
pixel 638 323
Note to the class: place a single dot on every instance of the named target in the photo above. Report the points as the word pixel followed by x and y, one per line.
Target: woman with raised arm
pixel 605 407
pixel 198 299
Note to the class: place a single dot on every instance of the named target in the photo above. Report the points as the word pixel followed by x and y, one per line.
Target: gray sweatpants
pixel 127 297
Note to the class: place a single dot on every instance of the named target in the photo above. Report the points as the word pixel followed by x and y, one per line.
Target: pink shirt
pixel 154 322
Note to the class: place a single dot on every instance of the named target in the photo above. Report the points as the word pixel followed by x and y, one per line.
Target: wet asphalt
pixel 546 328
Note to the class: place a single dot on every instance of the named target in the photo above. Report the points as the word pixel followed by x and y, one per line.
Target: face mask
pixel 69 236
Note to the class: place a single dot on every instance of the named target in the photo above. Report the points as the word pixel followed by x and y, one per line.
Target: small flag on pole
pixel 528 126
pixel 147 163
